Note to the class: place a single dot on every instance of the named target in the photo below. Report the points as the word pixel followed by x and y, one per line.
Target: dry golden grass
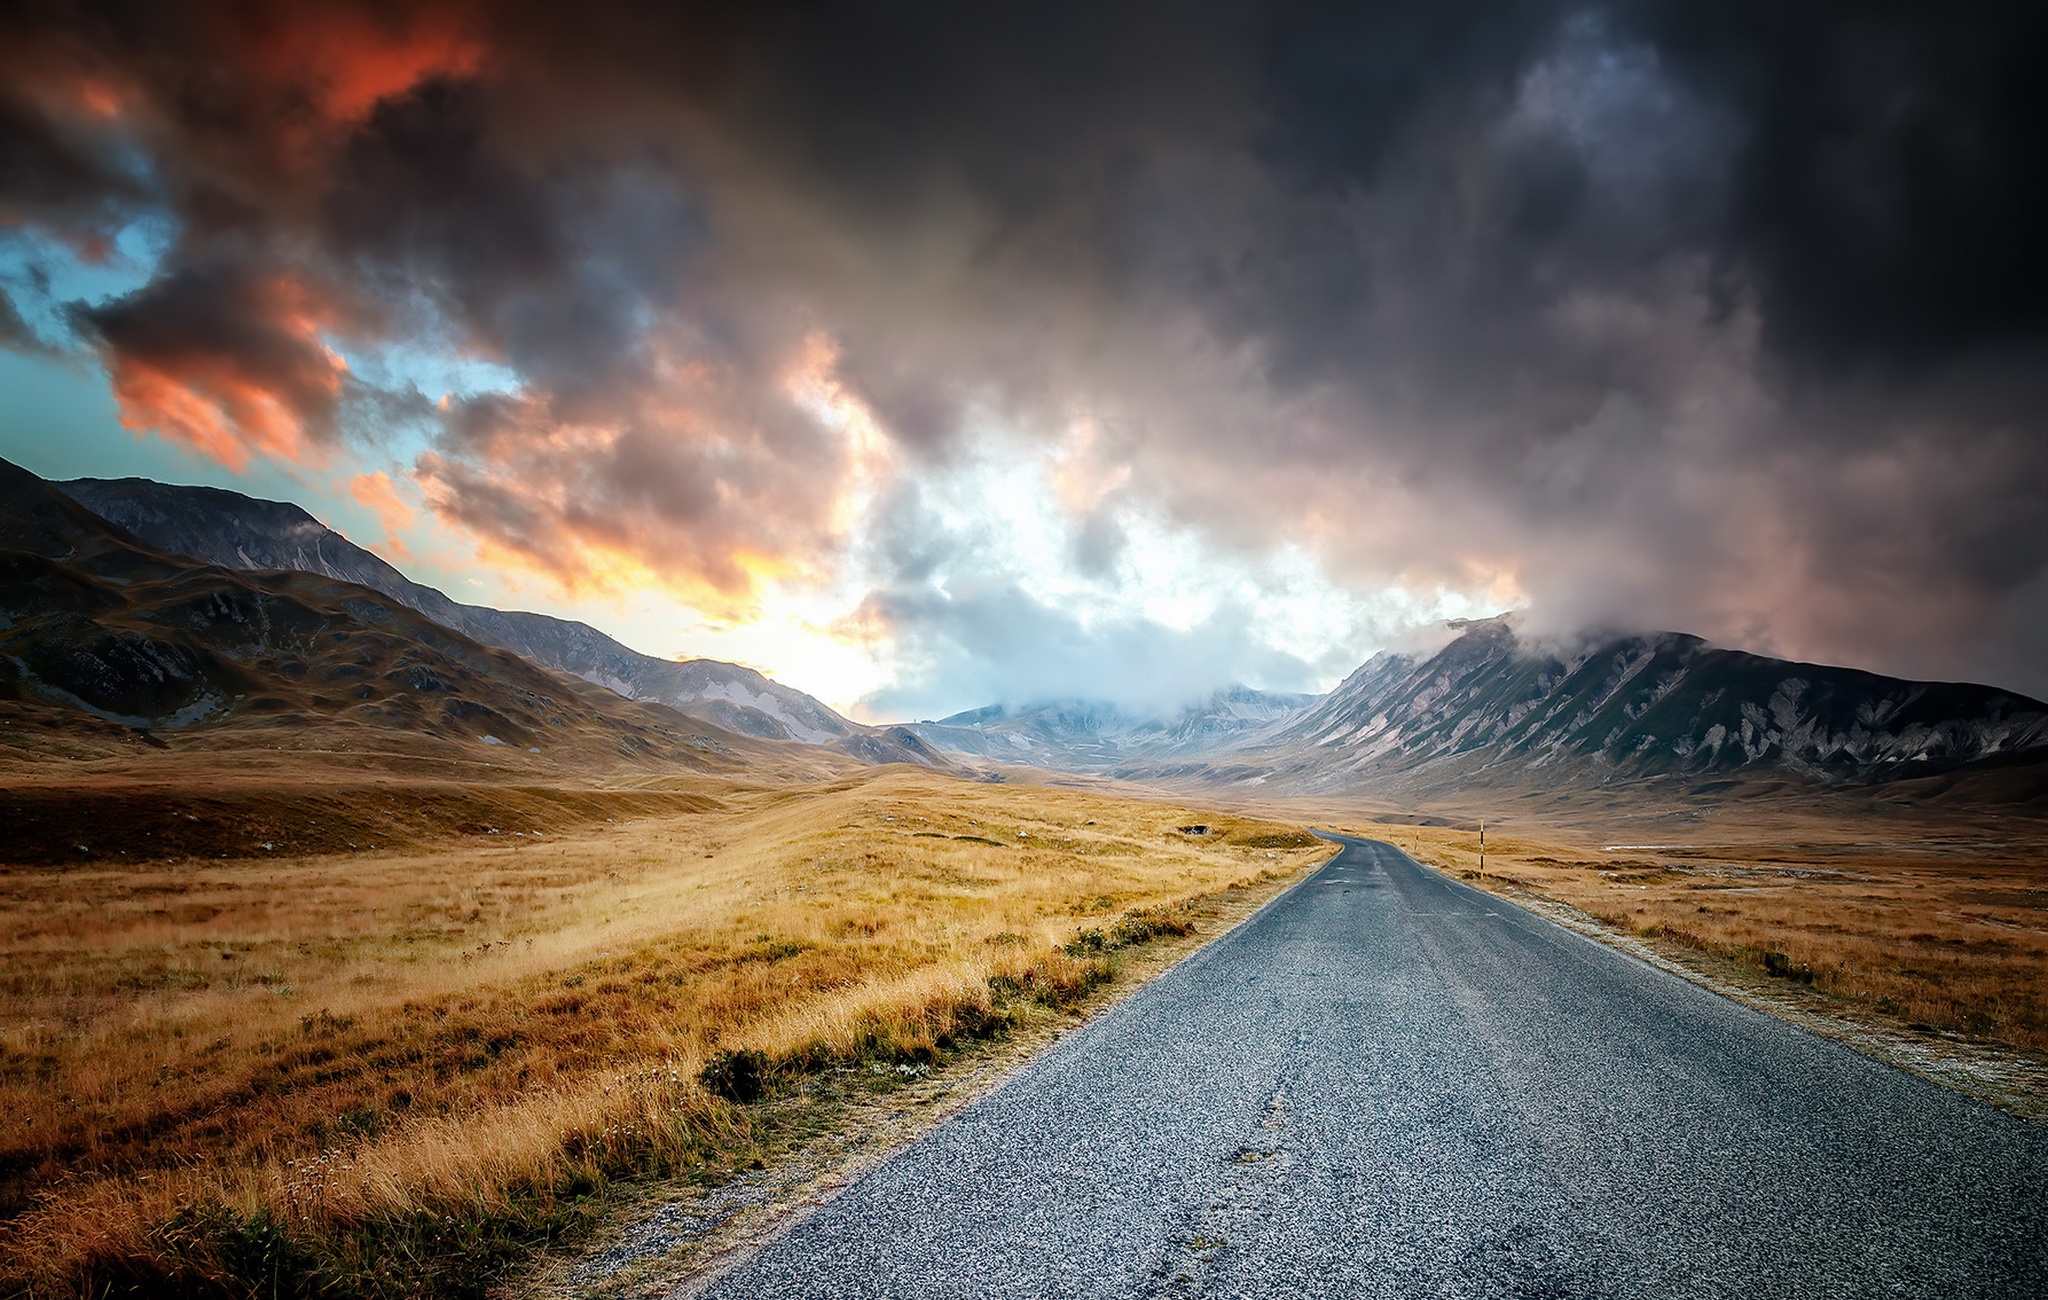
pixel 1939 930
pixel 389 1071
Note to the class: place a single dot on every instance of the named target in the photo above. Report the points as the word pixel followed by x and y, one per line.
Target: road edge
pixel 2007 1079
pixel 752 1211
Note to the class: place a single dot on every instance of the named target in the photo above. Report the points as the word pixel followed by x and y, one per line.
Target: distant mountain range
pixel 241 532
pixel 1496 707
pixel 1084 736
pixel 101 631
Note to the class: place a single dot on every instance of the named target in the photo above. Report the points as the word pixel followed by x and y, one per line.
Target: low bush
pixel 740 1076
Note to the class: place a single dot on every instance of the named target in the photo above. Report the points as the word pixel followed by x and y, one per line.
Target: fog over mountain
pixel 1082 735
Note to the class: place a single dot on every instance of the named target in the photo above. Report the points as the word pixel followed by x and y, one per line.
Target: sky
pixel 932 355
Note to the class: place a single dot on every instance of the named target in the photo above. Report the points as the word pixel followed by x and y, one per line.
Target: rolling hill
pixel 102 634
pixel 241 532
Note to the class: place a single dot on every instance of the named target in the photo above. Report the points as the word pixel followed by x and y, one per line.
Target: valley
pixel 1229 651
pixel 451 1048
pixel 361 938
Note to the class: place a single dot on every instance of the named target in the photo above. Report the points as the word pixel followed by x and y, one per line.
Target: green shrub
pixel 740 1076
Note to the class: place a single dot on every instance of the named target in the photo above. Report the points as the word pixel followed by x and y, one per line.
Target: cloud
pixel 376 492
pixel 61 166
pixel 227 358
pixel 1886 201
pixel 694 480
pixel 1002 645
pixel 15 333
pixel 968 593
pixel 1725 317
pixel 344 61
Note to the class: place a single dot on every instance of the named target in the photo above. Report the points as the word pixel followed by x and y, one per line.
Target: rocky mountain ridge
pixel 1497 705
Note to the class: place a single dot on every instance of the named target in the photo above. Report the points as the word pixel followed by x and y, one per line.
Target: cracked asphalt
pixel 1390 1084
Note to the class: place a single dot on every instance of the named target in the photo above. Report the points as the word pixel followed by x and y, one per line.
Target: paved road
pixel 1388 1084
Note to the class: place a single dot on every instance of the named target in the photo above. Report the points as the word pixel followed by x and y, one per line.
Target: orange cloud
pixel 814 383
pixel 283 86
pixel 219 415
pixel 229 362
pixel 67 92
pixel 690 484
pixel 66 78
pixel 376 492
pixel 348 61
pixel 102 99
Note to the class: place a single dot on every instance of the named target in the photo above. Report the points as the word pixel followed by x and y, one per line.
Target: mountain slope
pixel 241 532
pixel 1493 705
pixel 98 627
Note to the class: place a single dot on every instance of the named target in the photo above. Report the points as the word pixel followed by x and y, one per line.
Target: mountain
pixel 103 634
pixel 241 532
pixel 1091 736
pixel 1494 706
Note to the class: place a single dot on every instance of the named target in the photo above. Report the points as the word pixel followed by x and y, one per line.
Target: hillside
pixel 107 640
pixel 242 532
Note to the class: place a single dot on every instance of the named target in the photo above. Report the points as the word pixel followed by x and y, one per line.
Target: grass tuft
pixel 739 1076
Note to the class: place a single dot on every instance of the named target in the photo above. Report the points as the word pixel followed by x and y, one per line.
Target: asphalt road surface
pixel 1389 1084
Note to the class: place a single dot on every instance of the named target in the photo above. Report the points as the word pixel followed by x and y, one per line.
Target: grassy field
pixel 392 1071
pixel 1938 930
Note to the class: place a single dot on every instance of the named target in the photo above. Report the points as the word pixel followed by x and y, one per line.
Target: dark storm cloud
pixel 1729 315
pixel 49 174
pixel 556 266
pixel 228 355
pixel 1891 190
